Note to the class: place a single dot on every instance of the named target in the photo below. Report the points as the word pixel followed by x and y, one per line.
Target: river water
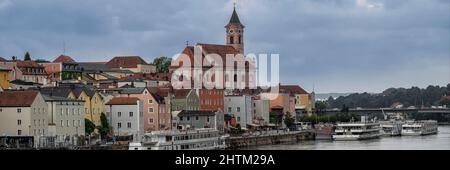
pixel 441 141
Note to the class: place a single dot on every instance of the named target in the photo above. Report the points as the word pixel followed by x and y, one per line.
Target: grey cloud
pixel 330 43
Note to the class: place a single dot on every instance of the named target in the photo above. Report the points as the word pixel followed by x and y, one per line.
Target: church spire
pixel 235 32
pixel 235 18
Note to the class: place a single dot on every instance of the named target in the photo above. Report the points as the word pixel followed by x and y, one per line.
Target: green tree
pixel 27 57
pixel 162 64
pixel 89 126
pixel 320 107
pixel 104 128
pixel 275 118
pixel 41 61
pixel 289 119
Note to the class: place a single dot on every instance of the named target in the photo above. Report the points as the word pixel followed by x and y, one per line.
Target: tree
pixel 89 126
pixel 27 57
pixel 104 128
pixel 41 61
pixel 345 109
pixel 289 119
pixel 320 106
pixel 162 64
pixel 275 117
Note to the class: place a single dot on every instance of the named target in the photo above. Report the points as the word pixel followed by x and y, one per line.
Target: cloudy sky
pixel 335 45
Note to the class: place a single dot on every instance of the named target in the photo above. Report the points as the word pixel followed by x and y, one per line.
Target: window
pixel 19 132
pixel 129 124
pixel 207 119
pixel 73 111
pixel 119 125
pixel 67 123
pixel 79 123
pixel 34 123
pixel 67 111
pixel 62 124
pixel 19 110
pixel 238 109
pixel 150 109
pixel 238 118
pixel 39 122
pixel 196 117
pixel 188 118
pixel 181 118
pixel 119 114
pixel 240 40
pixel 150 120
pixel 231 40
pixel 150 101
pixel 19 122
pixel 131 114
pixel 229 109
pixel 61 112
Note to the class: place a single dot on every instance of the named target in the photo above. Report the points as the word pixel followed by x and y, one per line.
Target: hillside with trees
pixel 414 96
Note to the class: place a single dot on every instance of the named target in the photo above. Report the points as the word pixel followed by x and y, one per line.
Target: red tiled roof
pixel 161 91
pixel 17 98
pixel 294 89
pixel 64 59
pixel 125 62
pixel 123 101
pixel 31 64
pixel 181 93
pixel 221 50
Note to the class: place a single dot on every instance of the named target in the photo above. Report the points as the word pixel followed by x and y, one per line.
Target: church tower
pixel 235 32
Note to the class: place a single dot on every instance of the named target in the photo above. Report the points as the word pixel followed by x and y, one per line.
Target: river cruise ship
pixel 357 130
pixel 417 128
pixel 199 139
pixel 391 128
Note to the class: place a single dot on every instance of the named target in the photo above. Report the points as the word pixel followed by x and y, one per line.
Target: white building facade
pixel 126 116
pixel 241 107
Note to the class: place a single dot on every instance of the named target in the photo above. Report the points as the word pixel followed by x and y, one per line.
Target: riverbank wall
pixel 268 139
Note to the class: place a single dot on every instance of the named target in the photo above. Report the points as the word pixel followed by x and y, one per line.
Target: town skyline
pixel 363 41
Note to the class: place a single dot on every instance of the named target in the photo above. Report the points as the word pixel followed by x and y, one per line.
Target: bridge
pixel 392 110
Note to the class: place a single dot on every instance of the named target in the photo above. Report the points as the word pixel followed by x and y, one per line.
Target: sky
pixel 325 45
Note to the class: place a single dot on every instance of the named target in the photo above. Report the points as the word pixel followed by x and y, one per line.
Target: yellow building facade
pixel 93 106
pixel 4 77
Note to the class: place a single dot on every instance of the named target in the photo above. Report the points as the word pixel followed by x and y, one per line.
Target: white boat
pixel 357 130
pixel 417 128
pixel 199 139
pixel 391 128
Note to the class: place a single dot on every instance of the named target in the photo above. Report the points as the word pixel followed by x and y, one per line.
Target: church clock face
pixel 231 31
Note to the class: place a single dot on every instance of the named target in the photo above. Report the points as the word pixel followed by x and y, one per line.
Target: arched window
pixel 235 78
pixel 231 40
pixel 240 42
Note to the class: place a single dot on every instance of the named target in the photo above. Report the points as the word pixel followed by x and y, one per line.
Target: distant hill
pixel 325 96
pixel 414 96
